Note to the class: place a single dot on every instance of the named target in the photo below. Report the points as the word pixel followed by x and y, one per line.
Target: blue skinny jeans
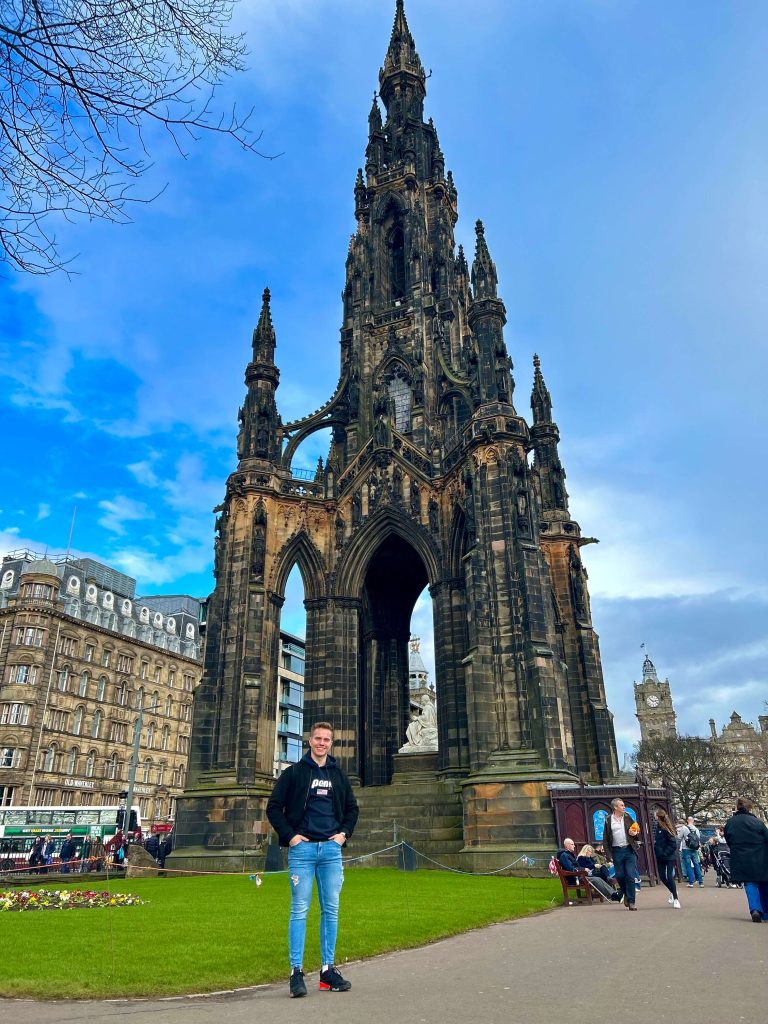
pixel 307 862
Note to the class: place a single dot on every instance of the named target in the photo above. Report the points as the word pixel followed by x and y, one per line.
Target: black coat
pixel 747 837
pixel 664 844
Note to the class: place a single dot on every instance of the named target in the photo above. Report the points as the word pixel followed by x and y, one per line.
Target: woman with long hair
pixel 665 848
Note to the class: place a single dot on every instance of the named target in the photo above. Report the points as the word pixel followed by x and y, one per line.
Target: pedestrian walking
pixel 665 848
pixel 313 810
pixel 747 838
pixel 690 844
pixel 67 854
pixel 620 836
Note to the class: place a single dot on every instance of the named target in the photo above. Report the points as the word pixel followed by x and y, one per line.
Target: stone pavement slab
pixel 704 962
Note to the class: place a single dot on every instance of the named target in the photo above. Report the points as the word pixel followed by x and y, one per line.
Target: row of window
pixel 54 760
pixel 29 675
pixel 57 720
pixel 34 636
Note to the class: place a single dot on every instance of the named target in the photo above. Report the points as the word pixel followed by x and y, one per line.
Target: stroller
pixel 721 861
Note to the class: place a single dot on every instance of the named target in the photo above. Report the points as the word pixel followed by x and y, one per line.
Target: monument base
pixel 221 826
pixel 508 812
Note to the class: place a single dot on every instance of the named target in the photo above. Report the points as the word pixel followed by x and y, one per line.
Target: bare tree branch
pixel 704 775
pixel 78 81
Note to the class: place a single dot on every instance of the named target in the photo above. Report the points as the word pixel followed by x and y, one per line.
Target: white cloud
pixel 645 549
pixel 122 510
pixel 43 511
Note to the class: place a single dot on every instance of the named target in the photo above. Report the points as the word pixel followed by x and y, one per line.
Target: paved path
pixel 705 962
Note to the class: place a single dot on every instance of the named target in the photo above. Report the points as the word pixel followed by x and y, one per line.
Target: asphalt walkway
pixel 598 964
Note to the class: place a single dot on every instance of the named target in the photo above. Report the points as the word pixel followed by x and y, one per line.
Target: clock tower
pixel 653 699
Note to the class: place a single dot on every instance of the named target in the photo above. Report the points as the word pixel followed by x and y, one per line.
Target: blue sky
pixel 616 151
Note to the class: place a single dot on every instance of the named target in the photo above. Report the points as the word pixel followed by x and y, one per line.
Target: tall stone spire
pixel 401 53
pixel 484 277
pixel 487 317
pixel 258 417
pixel 546 437
pixel 264 335
pixel 541 402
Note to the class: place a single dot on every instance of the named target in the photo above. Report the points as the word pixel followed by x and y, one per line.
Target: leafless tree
pixel 80 83
pixel 704 775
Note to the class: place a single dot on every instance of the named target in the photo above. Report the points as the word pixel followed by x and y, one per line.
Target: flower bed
pixel 65 899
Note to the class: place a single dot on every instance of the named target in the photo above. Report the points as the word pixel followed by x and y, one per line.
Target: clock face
pixel 652 701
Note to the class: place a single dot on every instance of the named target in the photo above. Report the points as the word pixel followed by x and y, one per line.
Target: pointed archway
pixel 394 579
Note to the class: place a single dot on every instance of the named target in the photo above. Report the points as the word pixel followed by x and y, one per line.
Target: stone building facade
pixel 80 659
pixel 433 479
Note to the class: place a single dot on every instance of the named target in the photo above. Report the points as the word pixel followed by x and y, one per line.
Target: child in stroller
pixel 721 861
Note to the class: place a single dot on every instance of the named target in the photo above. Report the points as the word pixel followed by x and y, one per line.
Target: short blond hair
pixel 322 725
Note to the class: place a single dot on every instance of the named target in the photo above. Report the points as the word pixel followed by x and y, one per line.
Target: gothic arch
pixel 389 204
pixel 299 550
pixel 389 367
pixel 369 538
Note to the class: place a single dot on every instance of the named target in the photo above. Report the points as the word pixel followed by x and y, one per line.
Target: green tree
pixel 702 774
pixel 80 82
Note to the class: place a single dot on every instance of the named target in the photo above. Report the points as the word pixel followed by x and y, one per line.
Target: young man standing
pixel 313 810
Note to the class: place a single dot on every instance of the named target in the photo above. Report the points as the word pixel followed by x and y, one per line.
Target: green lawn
pixel 202 934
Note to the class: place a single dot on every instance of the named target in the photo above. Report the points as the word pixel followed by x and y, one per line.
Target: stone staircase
pixel 416 808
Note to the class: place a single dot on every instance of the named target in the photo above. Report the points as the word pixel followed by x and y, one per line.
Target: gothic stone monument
pixel 432 479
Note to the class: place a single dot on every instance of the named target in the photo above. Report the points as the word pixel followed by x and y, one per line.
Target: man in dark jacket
pixel 620 845
pixel 67 854
pixel 313 810
pixel 747 838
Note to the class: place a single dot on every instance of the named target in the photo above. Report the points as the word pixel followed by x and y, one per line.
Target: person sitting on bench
pixel 567 860
pixel 588 859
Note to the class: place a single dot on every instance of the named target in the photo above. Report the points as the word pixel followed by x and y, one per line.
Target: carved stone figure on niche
pixel 418 386
pixel 438 329
pixel 415 500
pixel 357 509
pixel 381 430
pixel 397 484
pixel 373 491
pixel 502 376
pixel 259 551
pixel 578 587
pixel 262 434
pixel 421 734
pixel 340 526
pixel 433 513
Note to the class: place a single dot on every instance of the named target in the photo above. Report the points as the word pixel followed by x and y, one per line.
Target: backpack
pixel 553 865
pixel 693 840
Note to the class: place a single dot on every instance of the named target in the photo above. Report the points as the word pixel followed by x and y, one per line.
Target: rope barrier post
pixel 407 859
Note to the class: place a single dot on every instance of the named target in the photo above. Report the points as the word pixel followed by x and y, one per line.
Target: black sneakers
pixel 298 988
pixel 332 981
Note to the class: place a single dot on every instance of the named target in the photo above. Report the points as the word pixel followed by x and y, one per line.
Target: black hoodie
pixel 288 802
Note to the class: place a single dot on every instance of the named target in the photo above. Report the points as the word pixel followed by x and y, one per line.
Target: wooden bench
pixel 576 887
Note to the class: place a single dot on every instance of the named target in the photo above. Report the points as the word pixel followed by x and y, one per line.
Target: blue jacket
pixel 568 861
